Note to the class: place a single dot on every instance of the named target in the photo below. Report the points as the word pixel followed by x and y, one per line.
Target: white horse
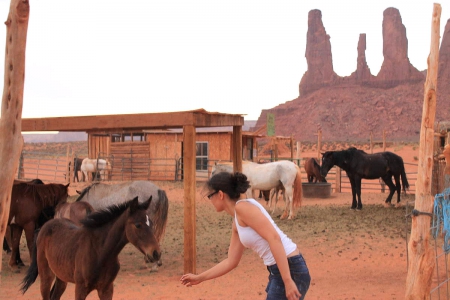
pixel 92 166
pixel 268 176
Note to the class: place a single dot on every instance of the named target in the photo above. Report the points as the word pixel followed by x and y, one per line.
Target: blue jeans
pixel 299 273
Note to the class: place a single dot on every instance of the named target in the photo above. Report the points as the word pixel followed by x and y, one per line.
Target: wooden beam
pixel 237 148
pixel 190 248
pixel 421 254
pixel 12 103
pixel 133 121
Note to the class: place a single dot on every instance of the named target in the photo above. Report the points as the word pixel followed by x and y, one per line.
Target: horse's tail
pixel 160 215
pixel 404 179
pixel 32 272
pixel 297 198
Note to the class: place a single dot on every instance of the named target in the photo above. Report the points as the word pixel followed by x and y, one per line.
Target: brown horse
pixel 88 255
pixel 7 240
pixel 75 211
pixel 312 169
pixel 30 203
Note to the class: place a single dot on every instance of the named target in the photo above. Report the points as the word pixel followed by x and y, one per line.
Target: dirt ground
pixel 350 254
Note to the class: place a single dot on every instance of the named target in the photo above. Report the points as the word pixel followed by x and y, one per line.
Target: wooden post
pixel 276 149
pixel 446 154
pixel 67 165
pixel 338 180
pixel 319 143
pixel 190 247
pixel 292 148
pixel 12 102
pixel 237 148
pixel 371 142
pixel 421 255
pixel 299 153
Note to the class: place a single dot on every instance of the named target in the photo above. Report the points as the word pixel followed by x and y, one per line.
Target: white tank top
pixel 251 239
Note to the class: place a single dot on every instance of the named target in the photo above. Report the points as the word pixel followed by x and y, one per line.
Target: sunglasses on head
pixel 212 194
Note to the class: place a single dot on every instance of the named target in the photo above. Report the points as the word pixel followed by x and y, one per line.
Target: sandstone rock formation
pixel 350 108
pixel 320 71
pixel 444 62
pixel 396 68
pixel 362 74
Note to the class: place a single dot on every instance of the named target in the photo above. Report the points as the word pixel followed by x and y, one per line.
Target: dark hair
pixel 233 184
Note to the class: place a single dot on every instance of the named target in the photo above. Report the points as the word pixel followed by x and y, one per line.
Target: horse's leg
pixel 273 193
pixel 46 275
pixel 29 235
pixel 16 232
pixel 107 292
pixel 388 180
pixel 288 203
pixel 398 187
pixel 58 289
pixel 353 185
pixel 6 247
pixel 358 192
pixel 81 291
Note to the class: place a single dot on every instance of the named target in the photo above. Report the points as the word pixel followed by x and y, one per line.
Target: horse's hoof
pixel 353 208
pixel 398 205
pixel 21 264
pixel 387 204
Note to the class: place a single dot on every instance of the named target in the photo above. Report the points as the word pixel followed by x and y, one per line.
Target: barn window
pixel 201 156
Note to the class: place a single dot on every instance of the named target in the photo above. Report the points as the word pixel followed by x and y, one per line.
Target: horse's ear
pixel 134 204
pixel 67 185
pixel 78 192
pixel 146 204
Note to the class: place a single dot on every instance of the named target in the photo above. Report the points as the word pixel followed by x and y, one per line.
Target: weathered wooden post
pixel 11 140
pixel 420 253
pixel 319 143
pixel 371 142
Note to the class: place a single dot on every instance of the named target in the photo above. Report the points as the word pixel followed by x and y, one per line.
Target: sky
pixel 232 56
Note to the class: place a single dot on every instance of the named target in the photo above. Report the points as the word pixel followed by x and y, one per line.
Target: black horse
pixel 358 165
pixel 76 168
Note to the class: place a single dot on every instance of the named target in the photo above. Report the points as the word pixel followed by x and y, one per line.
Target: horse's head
pixel 140 230
pixel 327 163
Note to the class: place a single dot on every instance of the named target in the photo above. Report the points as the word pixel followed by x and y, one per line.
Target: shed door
pixel 130 161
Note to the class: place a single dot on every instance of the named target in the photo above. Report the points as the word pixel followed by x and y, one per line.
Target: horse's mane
pixel 85 191
pixel 109 214
pixel 160 215
pixel 48 194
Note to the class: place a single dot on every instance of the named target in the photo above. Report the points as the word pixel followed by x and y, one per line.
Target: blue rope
pixel 441 217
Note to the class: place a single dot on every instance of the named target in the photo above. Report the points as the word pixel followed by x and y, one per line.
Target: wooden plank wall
pixel 98 144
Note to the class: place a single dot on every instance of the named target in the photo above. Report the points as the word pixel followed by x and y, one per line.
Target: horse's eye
pixel 138 225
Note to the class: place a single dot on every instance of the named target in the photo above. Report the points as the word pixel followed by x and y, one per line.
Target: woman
pixel 254 228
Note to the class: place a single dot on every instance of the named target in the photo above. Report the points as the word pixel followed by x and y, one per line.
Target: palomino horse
pixel 358 165
pixel 101 195
pixel 312 169
pixel 88 255
pixel 268 176
pixel 28 202
pixel 94 167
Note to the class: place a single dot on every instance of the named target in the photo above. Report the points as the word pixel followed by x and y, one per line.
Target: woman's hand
pixel 292 292
pixel 190 279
